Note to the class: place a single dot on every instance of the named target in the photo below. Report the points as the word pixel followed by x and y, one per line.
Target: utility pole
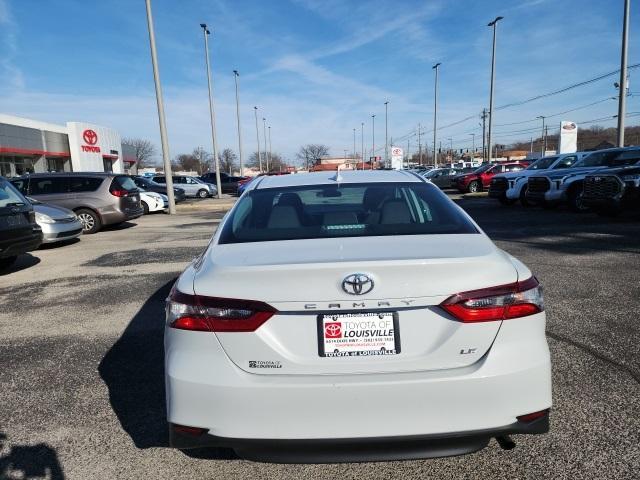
pixel 435 115
pixel 264 135
pixel 373 136
pixel 386 133
pixel 622 99
pixel 270 157
pixel 493 71
pixel 255 111
pixel 484 134
pixel 212 111
pixel 419 144
pixel 408 152
pixel 236 76
pixel 531 147
pixel 362 140
pixel 542 137
pixel 161 120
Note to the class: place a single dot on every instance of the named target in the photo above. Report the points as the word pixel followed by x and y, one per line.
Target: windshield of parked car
pixel 356 210
pixel 616 158
pixel 9 195
pixel 542 163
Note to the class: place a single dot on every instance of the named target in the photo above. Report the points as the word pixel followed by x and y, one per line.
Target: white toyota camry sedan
pixel 354 316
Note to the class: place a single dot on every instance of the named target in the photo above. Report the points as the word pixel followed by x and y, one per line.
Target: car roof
pixel 329 177
pixel 73 174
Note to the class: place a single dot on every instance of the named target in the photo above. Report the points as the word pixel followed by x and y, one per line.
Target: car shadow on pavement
pixel 29 461
pixel 133 370
pixel 24 261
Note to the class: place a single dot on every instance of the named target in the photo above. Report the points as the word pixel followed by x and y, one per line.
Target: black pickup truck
pixel 19 232
pixel 613 190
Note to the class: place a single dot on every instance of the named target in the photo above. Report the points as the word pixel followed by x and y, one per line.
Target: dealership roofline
pixel 28 123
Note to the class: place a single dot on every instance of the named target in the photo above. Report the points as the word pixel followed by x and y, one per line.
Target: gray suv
pixel 192 186
pixel 98 199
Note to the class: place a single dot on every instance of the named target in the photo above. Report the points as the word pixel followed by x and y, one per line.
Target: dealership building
pixel 31 146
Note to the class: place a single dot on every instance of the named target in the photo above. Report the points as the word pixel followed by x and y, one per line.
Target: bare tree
pixel 308 154
pixel 277 163
pixel 196 161
pixel 228 161
pixel 144 150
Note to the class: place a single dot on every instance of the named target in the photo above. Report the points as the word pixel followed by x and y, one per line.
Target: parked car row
pixel 607 181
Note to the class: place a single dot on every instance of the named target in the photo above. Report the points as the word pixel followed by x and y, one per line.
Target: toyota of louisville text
pixel 353 316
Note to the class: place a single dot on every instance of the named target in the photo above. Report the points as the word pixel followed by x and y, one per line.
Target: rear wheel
pixel 474 187
pixel 203 193
pixel 90 221
pixel 6 262
pixel 145 207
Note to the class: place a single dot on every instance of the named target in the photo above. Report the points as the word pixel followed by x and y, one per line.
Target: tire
pixel 474 187
pixel 6 262
pixel 575 200
pixel 145 207
pixel 506 201
pixel 523 197
pixel 202 193
pixel 90 221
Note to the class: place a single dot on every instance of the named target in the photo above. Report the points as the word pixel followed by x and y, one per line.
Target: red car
pixel 480 178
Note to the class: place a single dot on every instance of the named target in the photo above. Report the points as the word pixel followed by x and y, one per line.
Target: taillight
pixel 118 192
pixel 530 417
pixel 514 300
pixel 213 314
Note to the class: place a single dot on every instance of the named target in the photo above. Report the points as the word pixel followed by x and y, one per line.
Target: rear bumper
pixel 118 216
pixel 205 389
pixel 357 449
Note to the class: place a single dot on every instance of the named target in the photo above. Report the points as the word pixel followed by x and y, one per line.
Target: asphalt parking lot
pixel 81 374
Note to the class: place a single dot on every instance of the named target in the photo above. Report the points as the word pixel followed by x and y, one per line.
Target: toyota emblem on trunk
pixel 357 284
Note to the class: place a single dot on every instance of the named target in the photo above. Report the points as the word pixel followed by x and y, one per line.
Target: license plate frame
pixel 392 316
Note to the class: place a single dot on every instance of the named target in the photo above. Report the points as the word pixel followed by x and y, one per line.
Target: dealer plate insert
pixel 358 334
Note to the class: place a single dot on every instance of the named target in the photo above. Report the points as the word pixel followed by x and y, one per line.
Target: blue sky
pixel 315 68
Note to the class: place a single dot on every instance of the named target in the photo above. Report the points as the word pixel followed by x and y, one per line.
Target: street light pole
pixel 473 148
pixel 255 111
pixel 354 143
pixel 212 112
pixel 386 134
pixel 435 115
pixel 542 137
pixel 236 75
pixel 373 135
pixel 622 98
pixel 160 102
pixel 362 140
pixel 451 147
pixel 264 135
pixel 493 69
pixel 420 145
pixel 270 157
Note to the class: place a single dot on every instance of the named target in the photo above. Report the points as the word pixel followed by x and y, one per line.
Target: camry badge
pixel 357 284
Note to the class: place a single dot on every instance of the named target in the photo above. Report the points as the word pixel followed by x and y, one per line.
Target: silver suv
pixel 192 186
pixel 98 199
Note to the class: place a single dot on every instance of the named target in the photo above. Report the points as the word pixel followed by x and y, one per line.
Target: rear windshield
pixel 9 195
pixel 357 210
pixel 483 168
pixel 610 159
pixel 125 183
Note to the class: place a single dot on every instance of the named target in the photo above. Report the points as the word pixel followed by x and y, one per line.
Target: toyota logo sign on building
pixel 357 284
pixel 90 136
